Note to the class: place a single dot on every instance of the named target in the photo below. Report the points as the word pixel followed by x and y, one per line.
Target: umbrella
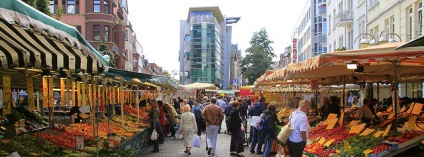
pixel 199 85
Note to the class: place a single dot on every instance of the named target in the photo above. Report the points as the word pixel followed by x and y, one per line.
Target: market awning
pixel 165 83
pixel 414 43
pixel 376 61
pixel 128 75
pixel 29 38
pixel 200 85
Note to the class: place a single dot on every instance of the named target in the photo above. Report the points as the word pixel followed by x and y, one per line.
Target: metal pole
pixel 344 93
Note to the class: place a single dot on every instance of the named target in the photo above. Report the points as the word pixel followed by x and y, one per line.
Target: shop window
pixel 96 32
pixel 96 6
pixel 106 5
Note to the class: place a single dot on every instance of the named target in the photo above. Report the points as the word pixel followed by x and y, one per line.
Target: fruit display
pixel 59 138
pixel 380 148
pixel 407 135
pixel 29 145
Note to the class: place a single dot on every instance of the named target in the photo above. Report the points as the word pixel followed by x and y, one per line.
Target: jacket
pixel 154 117
pixel 213 115
pixel 257 110
pixel 235 121
pixel 271 122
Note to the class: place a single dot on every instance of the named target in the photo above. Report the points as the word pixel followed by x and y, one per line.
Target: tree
pixel 105 50
pixel 166 73
pixel 59 12
pixel 259 56
pixel 40 5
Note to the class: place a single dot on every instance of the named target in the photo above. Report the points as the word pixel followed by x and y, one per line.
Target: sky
pixel 157 24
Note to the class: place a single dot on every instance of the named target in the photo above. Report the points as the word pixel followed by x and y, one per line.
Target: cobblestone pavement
pixel 174 147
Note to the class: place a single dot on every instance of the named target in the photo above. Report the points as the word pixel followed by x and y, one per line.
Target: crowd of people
pixel 208 113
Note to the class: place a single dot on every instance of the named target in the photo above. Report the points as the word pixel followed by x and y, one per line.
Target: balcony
pixel 322 10
pixel 321 39
pixel 344 18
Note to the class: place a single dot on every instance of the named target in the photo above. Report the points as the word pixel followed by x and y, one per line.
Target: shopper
pixel 269 130
pixel 154 123
pixel 255 112
pixel 365 113
pixel 197 111
pixel 299 123
pixel 221 102
pixel 188 127
pixel 213 116
pixel 162 121
pixel 235 127
pixel 171 113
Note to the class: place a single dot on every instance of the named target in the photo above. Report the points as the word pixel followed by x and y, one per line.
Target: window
pixel 106 33
pixel 96 6
pixel 70 6
pixel 387 26
pixel 106 5
pixel 373 2
pixel 79 28
pixel 410 24
pixel 96 33
pixel 52 6
pixel 420 19
pixel 393 24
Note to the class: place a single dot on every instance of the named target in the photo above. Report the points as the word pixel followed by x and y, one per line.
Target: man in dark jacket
pixel 227 113
pixel 269 131
pixel 255 112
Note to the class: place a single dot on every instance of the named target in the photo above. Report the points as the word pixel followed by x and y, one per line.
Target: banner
pixel 30 90
pixel 7 95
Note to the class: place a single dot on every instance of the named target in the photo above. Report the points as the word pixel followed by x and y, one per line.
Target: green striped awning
pixel 31 38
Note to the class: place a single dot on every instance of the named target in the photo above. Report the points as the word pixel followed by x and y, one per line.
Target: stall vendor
pixel 365 113
pixel 75 114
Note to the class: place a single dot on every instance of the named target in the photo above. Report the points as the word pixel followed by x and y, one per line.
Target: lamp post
pixel 364 41
pixel 383 39
pixel 183 76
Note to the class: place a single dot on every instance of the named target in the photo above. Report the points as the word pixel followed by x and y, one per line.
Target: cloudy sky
pixel 156 23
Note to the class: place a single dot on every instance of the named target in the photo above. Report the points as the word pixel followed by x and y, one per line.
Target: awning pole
pixel 395 95
pixel 343 92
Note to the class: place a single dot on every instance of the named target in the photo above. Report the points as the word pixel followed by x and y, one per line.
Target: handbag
pixel 196 141
pixel 285 132
pixel 154 135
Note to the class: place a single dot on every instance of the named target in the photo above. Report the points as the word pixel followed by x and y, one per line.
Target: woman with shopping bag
pixel 154 124
pixel 236 128
pixel 188 127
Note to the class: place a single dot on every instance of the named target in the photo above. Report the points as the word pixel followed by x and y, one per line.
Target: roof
pixel 215 10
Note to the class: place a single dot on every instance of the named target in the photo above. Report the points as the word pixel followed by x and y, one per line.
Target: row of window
pixel 97 34
pixel 72 6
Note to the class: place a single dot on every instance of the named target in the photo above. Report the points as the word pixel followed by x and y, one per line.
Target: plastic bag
pixel 154 136
pixel 196 141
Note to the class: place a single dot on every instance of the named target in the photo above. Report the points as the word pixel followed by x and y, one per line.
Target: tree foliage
pixel 59 12
pixel 40 5
pixel 258 57
pixel 166 73
pixel 105 50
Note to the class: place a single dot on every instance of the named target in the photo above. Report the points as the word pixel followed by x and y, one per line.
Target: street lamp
pixel 364 41
pixel 183 76
pixel 383 39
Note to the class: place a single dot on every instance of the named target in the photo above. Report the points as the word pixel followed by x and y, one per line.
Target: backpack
pixel 262 124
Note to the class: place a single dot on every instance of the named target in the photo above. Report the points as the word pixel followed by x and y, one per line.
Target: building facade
pixel 311 30
pixel 101 22
pixel 205 47
pixel 235 67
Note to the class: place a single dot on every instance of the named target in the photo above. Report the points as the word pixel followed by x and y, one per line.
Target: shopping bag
pixel 285 132
pixel 196 141
pixel 154 136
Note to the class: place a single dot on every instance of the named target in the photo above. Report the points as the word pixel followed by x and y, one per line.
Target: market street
pixel 174 147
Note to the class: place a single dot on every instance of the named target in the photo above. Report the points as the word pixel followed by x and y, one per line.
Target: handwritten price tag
pixel 387 130
pixel 391 116
pixel 367 132
pixel 417 109
pixel 357 129
pixel 390 109
pixel 328 143
pixel 403 109
pixel 331 124
pixel 410 107
pixel 378 134
pixel 322 140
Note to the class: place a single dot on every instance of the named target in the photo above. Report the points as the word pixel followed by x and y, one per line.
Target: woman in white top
pixel 299 123
pixel 188 127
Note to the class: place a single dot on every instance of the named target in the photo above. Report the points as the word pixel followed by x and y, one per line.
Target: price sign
pixel 403 109
pixel 390 109
pixel 411 123
pixel 367 132
pixel 353 123
pixel 387 130
pixel 410 107
pixel 367 151
pixel 328 143
pixel 332 123
pixel 357 129
pixel 417 109
pixel 79 143
pixel 391 116
pixel 378 134
pixel 321 141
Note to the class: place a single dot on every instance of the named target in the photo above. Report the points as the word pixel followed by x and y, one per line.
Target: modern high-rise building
pixel 235 67
pixel 311 31
pixel 103 22
pixel 205 47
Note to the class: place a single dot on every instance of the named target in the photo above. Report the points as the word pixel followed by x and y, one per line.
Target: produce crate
pixel 412 141
pixel 394 147
pixel 138 141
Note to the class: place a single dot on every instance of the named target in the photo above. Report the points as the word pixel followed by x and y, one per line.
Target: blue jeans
pixel 268 146
pixel 256 139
